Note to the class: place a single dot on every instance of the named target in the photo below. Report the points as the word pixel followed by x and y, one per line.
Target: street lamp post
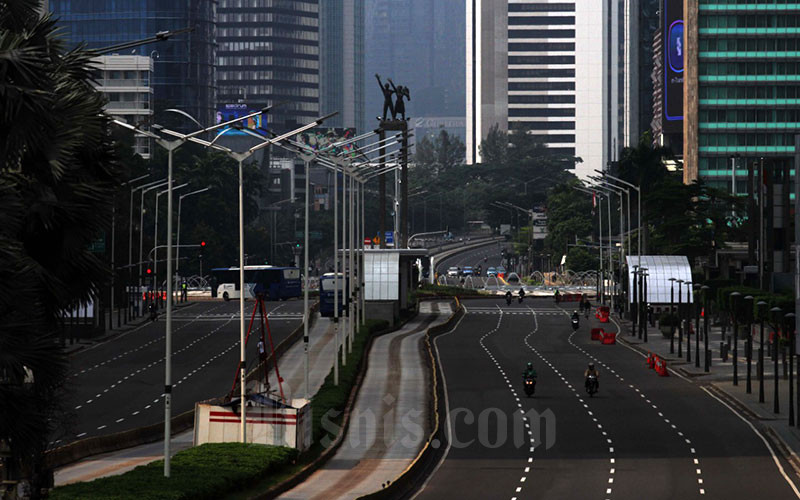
pixel 775 314
pixel 180 203
pixel 687 317
pixel 789 328
pixel 748 347
pixel 735 299
pixel 680 318
pixel 646 302
pixel 762 313
pixel 168 192
pixel 639 210
pixel 130 239
pixel 671 315
pixel 696 305
pixel 159 184
pixel 705 289
pixel 635 302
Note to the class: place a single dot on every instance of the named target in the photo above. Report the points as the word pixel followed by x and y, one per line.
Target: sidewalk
pixel 719 379
pixel 388 425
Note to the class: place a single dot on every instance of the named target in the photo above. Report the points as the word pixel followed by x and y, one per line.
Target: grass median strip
pixel 207 471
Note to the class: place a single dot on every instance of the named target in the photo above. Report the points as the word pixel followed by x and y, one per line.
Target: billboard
pixel 322 137
pixel 227 112
pixel 672 19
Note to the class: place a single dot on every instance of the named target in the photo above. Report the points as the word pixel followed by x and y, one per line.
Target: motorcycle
pixel 508 300
pixel 591 385
pixel 520 298
pixel 530 386
pixel 575 323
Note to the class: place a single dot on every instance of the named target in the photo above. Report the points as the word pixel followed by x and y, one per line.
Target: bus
pixel 327 284
pixel 277 283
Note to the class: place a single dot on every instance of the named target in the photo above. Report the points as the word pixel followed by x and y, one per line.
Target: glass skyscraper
pixel 268 53
pixel 342 62
pixel 183 75
pixel 743 87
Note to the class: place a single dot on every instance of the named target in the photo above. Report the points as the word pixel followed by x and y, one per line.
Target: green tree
pixel 582 259
pixel 57 182
pixel 569 216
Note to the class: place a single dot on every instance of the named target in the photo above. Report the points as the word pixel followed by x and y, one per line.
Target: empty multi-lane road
pixel 118 384
pixel 641 436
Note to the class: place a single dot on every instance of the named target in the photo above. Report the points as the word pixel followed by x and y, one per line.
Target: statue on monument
pixel 387 99
pixel 400 107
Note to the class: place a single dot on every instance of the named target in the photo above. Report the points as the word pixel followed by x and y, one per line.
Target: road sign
pixel 98 245
pixel 367 241
pixel 389 237
pixel 376 240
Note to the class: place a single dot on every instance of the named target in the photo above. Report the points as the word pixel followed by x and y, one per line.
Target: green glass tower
pixel 742 87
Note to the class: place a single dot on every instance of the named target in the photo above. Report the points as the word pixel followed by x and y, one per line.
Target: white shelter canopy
pixel 660 268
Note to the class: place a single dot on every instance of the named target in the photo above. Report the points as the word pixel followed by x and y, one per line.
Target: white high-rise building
pixel 555 69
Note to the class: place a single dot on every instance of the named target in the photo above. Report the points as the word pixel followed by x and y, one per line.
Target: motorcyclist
pixel 557 296
pixel 591 371
pixel 153 311
pixel 529 371
pixel 508 297
pixel 521 291
pixel 575 316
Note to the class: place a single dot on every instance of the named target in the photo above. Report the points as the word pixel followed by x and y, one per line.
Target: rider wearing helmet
pixel 522 291
pixel 529 371
pixel 591 371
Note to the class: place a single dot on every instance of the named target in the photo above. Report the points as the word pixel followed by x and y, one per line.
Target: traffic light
pixel 149 271
pixel 202 243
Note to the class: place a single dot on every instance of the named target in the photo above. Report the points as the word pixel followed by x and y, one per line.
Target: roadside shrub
pixel 208 471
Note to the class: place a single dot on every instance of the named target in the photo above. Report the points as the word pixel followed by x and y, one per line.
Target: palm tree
pixel 57 180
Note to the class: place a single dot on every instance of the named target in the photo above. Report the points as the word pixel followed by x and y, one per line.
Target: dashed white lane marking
pixel 513 393
pixel 575 392
pixel 142 346
pixel 636 389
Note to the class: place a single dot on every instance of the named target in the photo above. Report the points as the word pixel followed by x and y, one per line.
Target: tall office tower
pixel 562 71
pixel 741 91
pixel 341 62
pixel 126 82
pixel 268 53
pixel 418 44
pixel 183 69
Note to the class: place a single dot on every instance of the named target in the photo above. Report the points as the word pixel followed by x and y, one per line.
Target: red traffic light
pixel 149 271
pixel 202 243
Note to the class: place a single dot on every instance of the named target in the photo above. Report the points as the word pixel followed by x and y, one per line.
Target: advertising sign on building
pixel 672 24
pixel 319 138
pixel 227 112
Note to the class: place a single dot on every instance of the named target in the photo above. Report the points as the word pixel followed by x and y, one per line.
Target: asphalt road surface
pixel 641 436
pixel 118 385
